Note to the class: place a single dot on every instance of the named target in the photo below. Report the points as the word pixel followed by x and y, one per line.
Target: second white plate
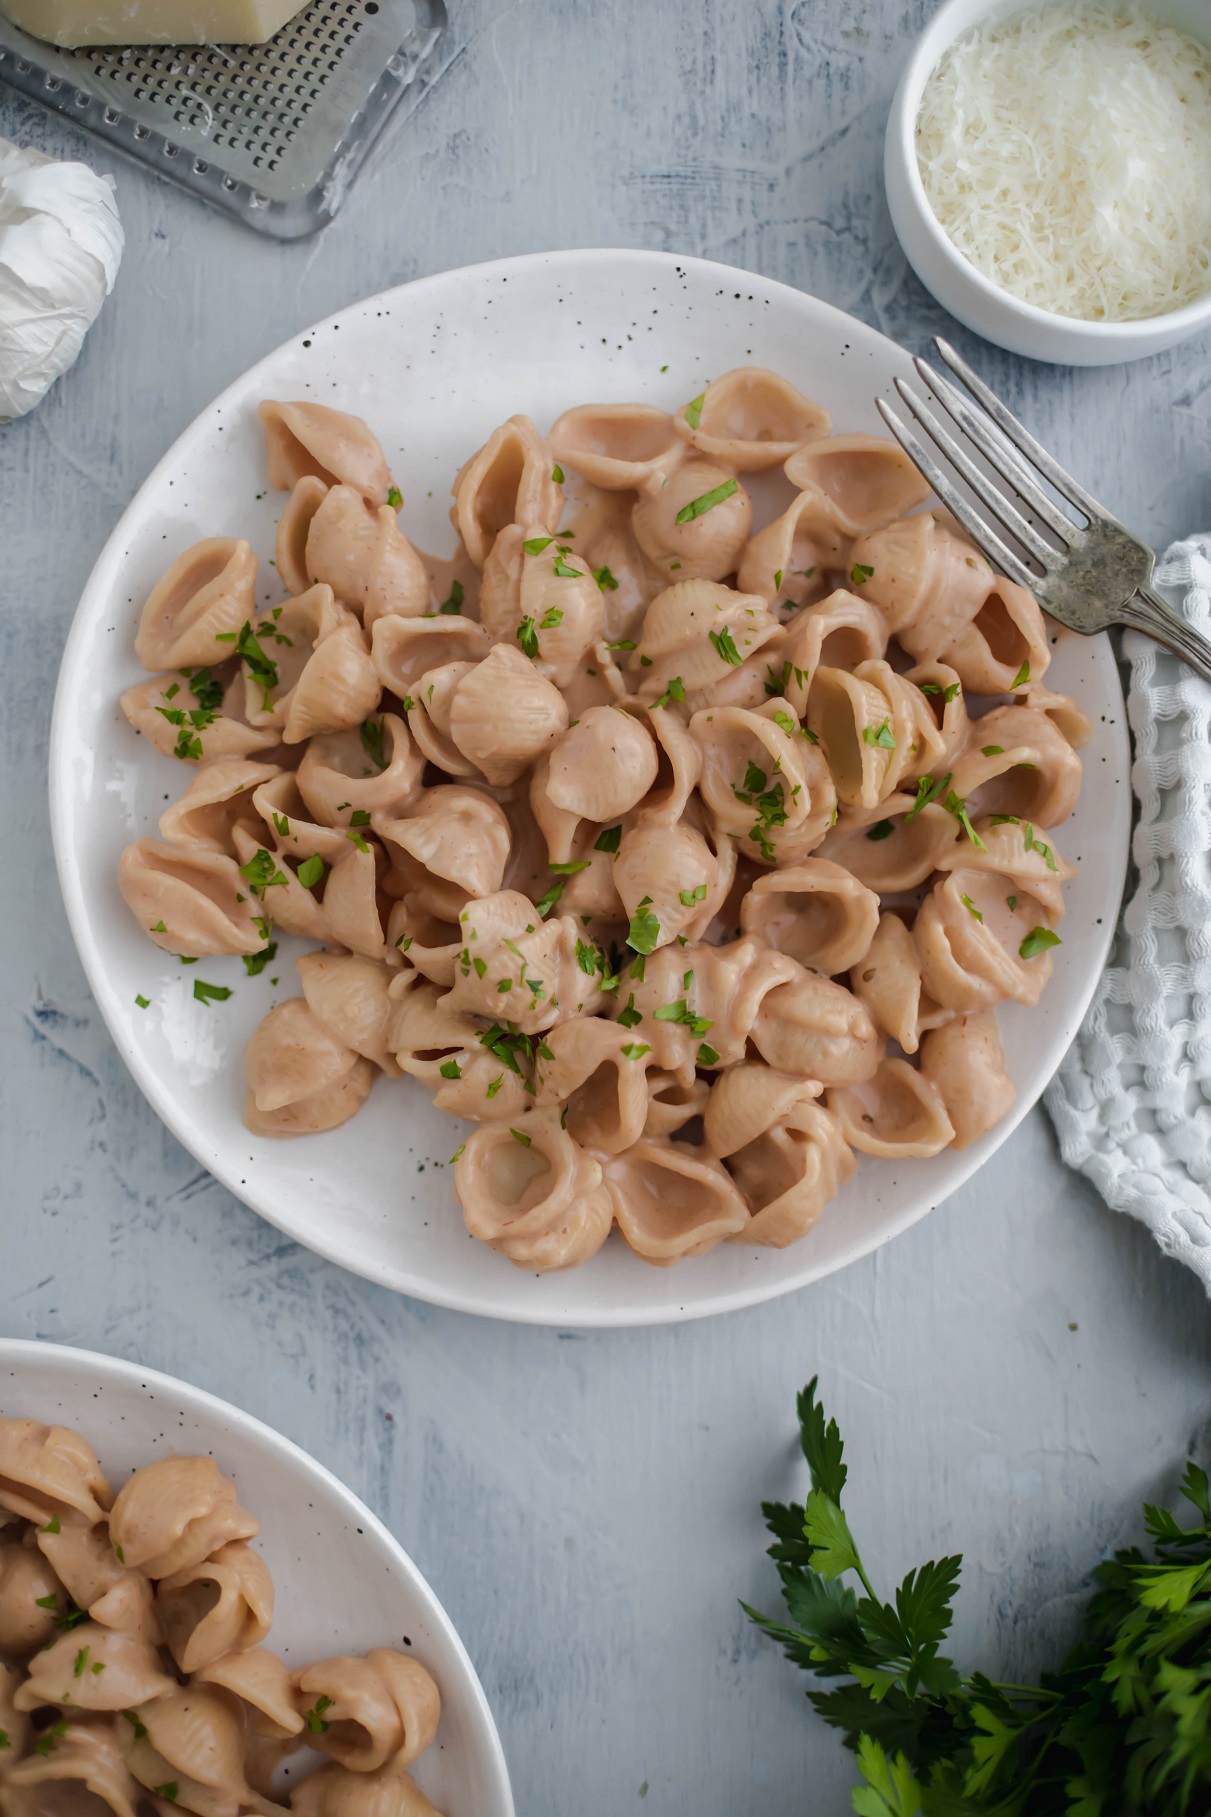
pixel 434 366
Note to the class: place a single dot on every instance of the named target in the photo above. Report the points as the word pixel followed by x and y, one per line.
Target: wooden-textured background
pixel 1013 1375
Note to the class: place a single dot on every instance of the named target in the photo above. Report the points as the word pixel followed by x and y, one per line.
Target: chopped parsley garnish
pixel 608 841
pixel 638 969
pixel 537 544
pixel 143 1002
pixel 882 829
pixel 547 901
pixel 882 736
pixel 1011 903
pixel 928 791
pixel 395 497
pixel 777 579
pixel 550 619
pixel 81 1664
pixel 52 1525
pixel 171 1789
pixel 693 410
pixel 46 1602
pixel 519 1135
pixel 310 871
pixel 450 1069
pixel 315 1716
pixel 644 930
pixel 255 963
pixel 495 1084
pixel 690 897
pixel 630 1017
pixel 262 669
pixel 605 580
pixel 506 1043
pixel 674 691
pixel 563 572
pixel 698 507
pixel 1021 679
pixel 453 602
pixel 557 474
pixel 954 804
pixel 359 817
pixel 971 908
pixel 261 873
pixel 527 637
pixel 70 1618
pixel 859 573
pixel 356 839
pixel 210 993
pixel 707 1055
pixel 725 646
pixel 48 1738
pixel 371 734
pixel 159 928
pixel 992 750
pixel 680 1012
pixel 281 825
pixel 635 1050
pixel 136 1723
pixel 1037 941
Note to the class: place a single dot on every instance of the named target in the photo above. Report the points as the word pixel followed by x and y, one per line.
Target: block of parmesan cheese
pixel 74 23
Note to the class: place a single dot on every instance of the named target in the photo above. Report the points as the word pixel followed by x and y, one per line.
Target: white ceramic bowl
pixel 342 1583
pixel 976 301
pixel 434 366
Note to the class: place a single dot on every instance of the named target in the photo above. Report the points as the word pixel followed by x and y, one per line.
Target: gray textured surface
pixel 1013 1375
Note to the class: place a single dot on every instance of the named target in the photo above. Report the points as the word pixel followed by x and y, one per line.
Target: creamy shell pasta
pixel 135 1678
pixel 682 832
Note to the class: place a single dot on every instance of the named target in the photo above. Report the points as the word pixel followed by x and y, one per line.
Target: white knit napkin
pixel 1132 1101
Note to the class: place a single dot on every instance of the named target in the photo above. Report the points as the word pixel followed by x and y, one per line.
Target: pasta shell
pixel 516 965
pixel 898 1111
pixel 892 846
pixel 511 480
pixel 46 1470
pixel 275 895
pixel 964 1062
pixel 888 981
pixel 128 1607
pixel 783 562
pixel 425 1030
pixel 858 483
pixel 942 691
pixel 814 911
pixel 788 1174
pixel 174 1513
pixel 1066 716
pixel 1006 636
pixel 838 632
pixel 484 1091
pixel 303 439
pixel 602 767
pixel 219 794
pixel 348 993
pixel 754 771
pixel 1019 762
pixel 850 718
pixel 535 1195
pixel 707 541
pixel 83 1769
pixel 751 419
pixel 430 945
pixel 382 1708
pixel 597 1075
pixel 539 593
pixel 190 902
pixel 265 1688
pixel 93 1668
pixel 697 633
pixel 671 1200
pixel 167 709
pixel 454 836
pixel 617 446
pixel 673 876
pixel 194 1741
pixel 745 1101
pixel 293 528
pixel 925 576
pixel 292 1057
pixel 816 1029
pixel 968 939
pixel 338 689
pixel 335 1792
pixel 364 556
pixel 375 770
pixel 429 709
pixel 208 592
pixel 353 913
pixel 285 825
pixel 219 1606
pixel 404 649
pixel 504 714
pixel 84 1561
pixel 679 761
pixel 26 1579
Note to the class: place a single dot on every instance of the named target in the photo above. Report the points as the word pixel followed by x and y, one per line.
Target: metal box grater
pixel 271 133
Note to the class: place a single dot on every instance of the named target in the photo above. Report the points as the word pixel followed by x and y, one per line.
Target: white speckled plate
pixel 342 1583
pixel 434 366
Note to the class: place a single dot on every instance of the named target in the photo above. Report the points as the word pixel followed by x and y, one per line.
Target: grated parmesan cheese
pixel 1066 152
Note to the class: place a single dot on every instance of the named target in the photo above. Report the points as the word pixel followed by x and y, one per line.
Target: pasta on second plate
pixel 682 833
pixel 134 1679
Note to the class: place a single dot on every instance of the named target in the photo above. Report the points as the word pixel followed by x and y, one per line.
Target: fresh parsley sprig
pixel 1122 1729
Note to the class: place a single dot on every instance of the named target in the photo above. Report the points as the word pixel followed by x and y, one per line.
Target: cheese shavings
pixel 1066 153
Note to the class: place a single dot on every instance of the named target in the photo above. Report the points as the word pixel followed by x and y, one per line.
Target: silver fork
pixel 1088 575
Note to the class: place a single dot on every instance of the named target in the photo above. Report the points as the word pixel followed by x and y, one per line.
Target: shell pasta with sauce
pixel 682 832
pixel 134 1676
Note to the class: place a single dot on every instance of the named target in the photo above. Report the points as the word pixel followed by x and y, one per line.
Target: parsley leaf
pixel 395 497
pixel 725 647
pixel 674 691
pixel 644 932
pixel 371 733
pixel 698 507
pixel 605 580
pixel 883 736
pixel 693 410
pixel 537 544
pixel 527 637
pixel 210 993
pixel 609 841
pixel 882 829
pixel 452 605
pixel 1021 679
pixel 255 963
pixel 635 1050
pixel 1037 941
pixel 310 871
pixel 859 573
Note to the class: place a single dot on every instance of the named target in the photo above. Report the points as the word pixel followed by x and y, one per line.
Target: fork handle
pixel 1146 611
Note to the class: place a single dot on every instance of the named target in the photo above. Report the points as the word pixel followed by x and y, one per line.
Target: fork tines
pixel 991 431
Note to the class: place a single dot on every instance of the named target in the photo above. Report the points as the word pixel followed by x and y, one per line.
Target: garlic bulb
pixel 60 247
